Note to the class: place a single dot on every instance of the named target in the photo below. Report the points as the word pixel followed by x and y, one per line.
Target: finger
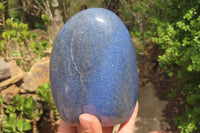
pixel 65 128
pixel 107 129
pixel 90 124
pixel 128 126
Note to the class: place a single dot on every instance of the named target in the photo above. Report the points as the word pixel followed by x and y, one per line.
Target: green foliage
pixel 180 41
pixel 24 43
pixel 46 19
pixel 22 112
pixel 15 125
pixel 192 117
pixel 44 92
pixel 27 107
pixel 14 11
pixel 142 13
pixel 38 48
pixel 2 7
pixel 16 35
pixel 16 30
pixel 19 115
pixel 39 25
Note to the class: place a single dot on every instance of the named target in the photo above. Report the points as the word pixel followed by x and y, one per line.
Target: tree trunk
pixel 4 21
pixel 23 10
pixel 6 8
pixel 56 20
pixel 112 5
pixel 66 9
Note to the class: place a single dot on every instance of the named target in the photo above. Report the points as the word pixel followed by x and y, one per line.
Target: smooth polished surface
pixel 93 68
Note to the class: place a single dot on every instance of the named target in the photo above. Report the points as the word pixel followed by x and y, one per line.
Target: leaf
pixel 29 107
pixel 189 14
pixel 34 35
pixel 23 26
pixel 2 44
pixel 20 125
pixel 13 33
pixel 44 43
pixel 46 85
pixel 8 128
pixel 24 34
pixel 23 125
pixel 10 109
pixel 12 118
pixel 18 102
pixel 15 25
pixel 9 22
pixel 29 103
pixel 10 125
pixel 6 35
pixel 32 44
pixel 26 126
pixel 45 18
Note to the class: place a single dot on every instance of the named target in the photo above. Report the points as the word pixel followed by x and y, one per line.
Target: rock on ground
pixel 4 70
pixel 38 75
pixel 9 93
pixel 17 74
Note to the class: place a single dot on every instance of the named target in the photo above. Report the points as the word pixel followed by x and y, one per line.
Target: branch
pixel 15 58
pixel 49 10
pixel 55 3
pixel 41 6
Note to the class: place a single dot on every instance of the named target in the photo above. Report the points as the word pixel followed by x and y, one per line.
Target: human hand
pixel 91 124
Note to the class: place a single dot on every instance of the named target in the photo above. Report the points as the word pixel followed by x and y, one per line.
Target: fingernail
pixel 85 124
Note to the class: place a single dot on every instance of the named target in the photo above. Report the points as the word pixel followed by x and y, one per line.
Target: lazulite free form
pixel 93 68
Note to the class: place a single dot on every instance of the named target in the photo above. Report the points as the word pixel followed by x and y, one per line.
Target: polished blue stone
pixel 93 68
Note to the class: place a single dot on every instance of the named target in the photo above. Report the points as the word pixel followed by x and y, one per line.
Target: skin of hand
pixel 91 124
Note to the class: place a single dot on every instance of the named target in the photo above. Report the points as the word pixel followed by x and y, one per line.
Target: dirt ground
pixel 156 109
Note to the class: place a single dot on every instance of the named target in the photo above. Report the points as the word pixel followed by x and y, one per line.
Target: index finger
pixel 128 126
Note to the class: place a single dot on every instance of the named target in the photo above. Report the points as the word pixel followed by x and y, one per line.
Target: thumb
pixel 90 124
